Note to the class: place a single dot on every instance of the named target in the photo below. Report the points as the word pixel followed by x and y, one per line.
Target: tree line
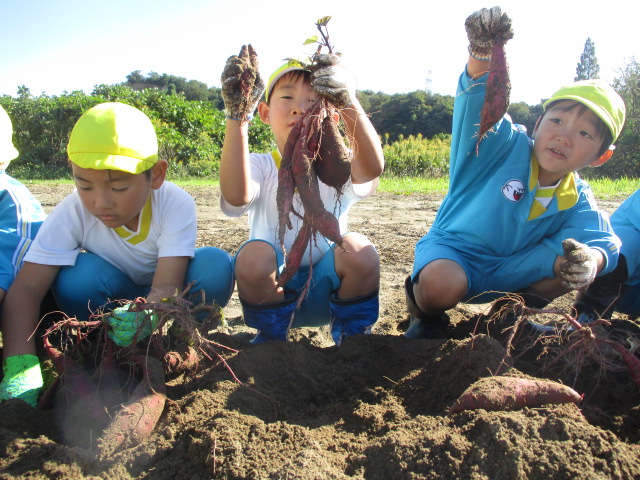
pixel 188 116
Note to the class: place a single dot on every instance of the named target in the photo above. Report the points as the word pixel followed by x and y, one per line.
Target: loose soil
pixel 374 408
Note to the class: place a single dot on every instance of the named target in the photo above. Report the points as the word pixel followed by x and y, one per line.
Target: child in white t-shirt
pixel 123 233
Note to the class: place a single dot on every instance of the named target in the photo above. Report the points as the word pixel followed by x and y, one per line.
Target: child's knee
pixel 255 261
pixel 357 255
pixel 441 285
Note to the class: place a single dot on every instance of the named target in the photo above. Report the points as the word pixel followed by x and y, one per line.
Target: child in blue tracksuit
pixel 516 218
pixel 20 213
pixel 619 290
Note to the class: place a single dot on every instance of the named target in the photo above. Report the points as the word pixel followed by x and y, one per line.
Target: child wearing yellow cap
pixel 516 218
pixel 20 213
pixel 123 233
pixel 344 289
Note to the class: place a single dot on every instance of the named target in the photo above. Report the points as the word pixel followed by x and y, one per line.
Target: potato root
pixel 510 393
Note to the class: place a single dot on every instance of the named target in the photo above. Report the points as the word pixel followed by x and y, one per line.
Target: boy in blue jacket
pixel 517 218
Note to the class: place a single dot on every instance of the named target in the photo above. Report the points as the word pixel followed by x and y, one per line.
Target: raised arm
pixel 242 88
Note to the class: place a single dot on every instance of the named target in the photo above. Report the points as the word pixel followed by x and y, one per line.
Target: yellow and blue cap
pixel 291 65
pixel 7 151
pixel 601 99
pixel 114 136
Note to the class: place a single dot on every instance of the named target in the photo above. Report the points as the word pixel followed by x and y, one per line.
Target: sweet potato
pixel 294 256
pixel 314 135
pixel 306 180
pixel 183 359
pixel 286 184
pixel 107 379
pixel 332 163
pixel 75 385
pixel 498 90
pixel 79 411
pixel 632 362
pixel 135 420
pixel 509 393
pixel 328 225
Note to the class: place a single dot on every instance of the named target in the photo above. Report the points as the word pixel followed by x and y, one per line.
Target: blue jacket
pixel 491 194
pixel 20 218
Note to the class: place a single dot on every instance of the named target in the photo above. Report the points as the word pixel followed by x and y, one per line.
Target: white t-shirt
pixel 263 210
pixel 167 228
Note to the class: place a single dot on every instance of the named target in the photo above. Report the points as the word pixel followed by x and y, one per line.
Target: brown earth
pixel 375 408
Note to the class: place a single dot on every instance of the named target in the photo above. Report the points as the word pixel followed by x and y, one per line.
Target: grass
pixel 619 189
pixel 603 188
pixel 410 185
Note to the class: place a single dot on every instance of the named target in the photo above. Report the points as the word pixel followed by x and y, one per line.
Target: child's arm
pixel 21 309
pixel 235 166
pixel 368 161
pixel 169 278
pixel 336 84
pixel 242 87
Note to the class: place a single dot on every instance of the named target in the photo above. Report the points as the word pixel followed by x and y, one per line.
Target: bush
pixel 416 156
pixel 190 133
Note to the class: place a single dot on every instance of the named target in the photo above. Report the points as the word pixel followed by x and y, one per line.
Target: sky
pixel 399 46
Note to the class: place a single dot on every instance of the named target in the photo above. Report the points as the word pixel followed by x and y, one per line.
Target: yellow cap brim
pixel 123 163
pixel 290 66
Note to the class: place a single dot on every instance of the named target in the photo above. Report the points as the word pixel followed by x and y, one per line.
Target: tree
pixel 624 162
pixel 588 67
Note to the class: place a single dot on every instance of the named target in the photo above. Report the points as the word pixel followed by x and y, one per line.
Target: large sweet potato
pixel 136 419
pixel 509 393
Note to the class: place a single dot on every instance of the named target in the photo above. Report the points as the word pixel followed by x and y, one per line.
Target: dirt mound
pixel 374 408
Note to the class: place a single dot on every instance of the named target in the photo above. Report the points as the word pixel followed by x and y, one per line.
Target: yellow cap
pixel 291 66
pixel 601 99
pixel 7 151
pixel 114 136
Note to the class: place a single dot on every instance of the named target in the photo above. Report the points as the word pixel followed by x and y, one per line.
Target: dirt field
pixel 375 408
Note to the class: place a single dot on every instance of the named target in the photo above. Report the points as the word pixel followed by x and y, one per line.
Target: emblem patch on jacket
pixel 513 190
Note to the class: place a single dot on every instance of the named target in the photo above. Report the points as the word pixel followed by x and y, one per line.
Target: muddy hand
pixel 483 27
pixel 242 85
pixel 579 267
pixel 333 81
